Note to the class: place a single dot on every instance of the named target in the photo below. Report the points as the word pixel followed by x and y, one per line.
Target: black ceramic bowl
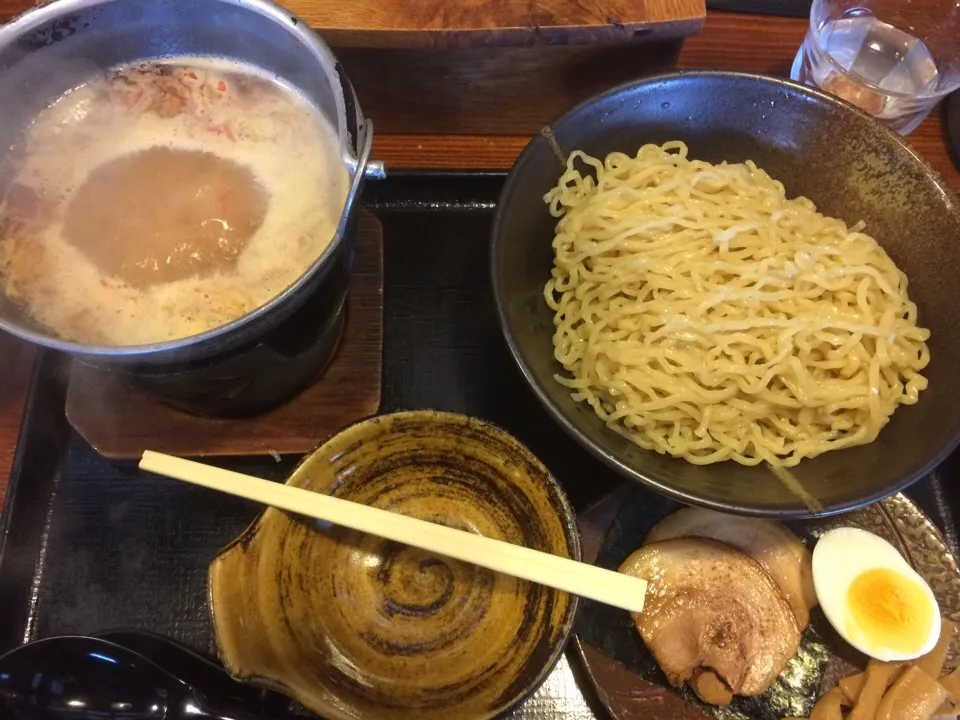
pixel 852 167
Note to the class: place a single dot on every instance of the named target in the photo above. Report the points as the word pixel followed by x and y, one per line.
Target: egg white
pixel 839 557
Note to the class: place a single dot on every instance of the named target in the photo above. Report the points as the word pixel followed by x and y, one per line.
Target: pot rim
pixel 355 164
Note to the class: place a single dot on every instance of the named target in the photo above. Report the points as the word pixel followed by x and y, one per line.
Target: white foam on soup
pixel 231 110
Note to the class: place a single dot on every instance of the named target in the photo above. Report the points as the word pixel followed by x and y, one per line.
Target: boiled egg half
pixel 872 597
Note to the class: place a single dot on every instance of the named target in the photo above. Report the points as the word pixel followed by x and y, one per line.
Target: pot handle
pixel 360 129
pixel 361 170
pixel 375 170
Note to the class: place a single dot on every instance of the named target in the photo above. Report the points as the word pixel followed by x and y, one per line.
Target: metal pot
pixel 51 49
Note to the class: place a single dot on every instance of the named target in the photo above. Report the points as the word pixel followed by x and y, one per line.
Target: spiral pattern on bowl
pixel 357 626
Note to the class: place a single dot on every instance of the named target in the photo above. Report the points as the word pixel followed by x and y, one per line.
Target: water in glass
pixel 880 68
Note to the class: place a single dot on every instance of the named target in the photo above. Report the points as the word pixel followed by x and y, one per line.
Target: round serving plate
pixel 822 148
pixel 627 679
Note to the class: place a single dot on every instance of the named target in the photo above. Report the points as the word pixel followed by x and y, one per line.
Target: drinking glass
pixel 893 58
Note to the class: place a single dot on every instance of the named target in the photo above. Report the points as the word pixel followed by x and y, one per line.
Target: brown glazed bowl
pixel 853 167
pixel 353 626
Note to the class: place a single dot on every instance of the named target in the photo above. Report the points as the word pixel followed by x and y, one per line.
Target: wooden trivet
pixel 120 422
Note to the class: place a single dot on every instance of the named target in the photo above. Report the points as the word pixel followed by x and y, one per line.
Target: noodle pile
pixel 704 315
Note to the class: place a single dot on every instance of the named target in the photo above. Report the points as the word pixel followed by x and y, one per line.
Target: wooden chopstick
pixel 605 586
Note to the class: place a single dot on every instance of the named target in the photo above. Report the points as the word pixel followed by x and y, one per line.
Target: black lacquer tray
pixel 89 545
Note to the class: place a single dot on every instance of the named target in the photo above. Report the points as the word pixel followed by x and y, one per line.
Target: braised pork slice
pixel 780 552
pixel 711 607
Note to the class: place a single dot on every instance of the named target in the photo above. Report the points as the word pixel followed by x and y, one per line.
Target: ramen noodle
pixel 164 200
pixel 703 314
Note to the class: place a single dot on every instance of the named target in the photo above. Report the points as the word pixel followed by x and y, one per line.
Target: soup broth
pixel 164 200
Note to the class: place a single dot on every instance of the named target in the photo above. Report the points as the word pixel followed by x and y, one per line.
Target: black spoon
pixel 76 676
pixel 206 677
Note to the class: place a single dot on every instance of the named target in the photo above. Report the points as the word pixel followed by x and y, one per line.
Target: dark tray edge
pixel 435 190
pixel 40 451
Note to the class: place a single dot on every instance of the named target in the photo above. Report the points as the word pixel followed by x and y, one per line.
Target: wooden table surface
pixel 729 41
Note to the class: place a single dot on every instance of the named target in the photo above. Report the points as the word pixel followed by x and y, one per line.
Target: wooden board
pixel 462 23
pixel 121 422
pixel 446 23
pixel 489 91
pixel 498 152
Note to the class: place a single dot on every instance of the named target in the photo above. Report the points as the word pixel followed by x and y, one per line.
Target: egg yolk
pixel 891 610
